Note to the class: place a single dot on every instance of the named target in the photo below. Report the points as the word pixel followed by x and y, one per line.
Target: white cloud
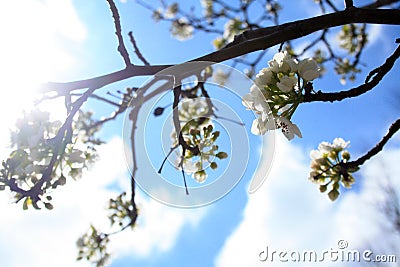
pixel 375 33
pixel 157 229
pixel 289 213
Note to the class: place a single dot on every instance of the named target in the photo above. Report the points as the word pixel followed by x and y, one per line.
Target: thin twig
pixel 133 116
pixel 380 3
pixel 372 80
pixel 332 5
pixel 137 51
pixel 134 213
pixel 121 46
pixel 177 125
pixel 112 117
pixel 104 100
pixel 349 3
pixel 181 141
pixel 375 150
pixel 166 157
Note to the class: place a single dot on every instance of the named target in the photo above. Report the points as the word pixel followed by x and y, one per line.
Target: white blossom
pixel 256 101
pixel 263 77
pixel 76 156
pixel 328 169
pixel 200 176
pixel 232 28
pixel 308 69
pixel 281 87
pixel 286 83
pixel 288 128
pixel 339 144
pixel 325 147
pixel 181 29
pixel 171 11
pixel 260 126
pixel 283 62
pixel 220 77
pixel 192 108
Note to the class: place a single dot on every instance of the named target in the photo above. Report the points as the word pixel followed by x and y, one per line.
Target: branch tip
pixel 117 23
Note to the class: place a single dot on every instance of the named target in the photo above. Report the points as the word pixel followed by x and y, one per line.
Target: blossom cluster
pixel 181 29
pixel 232 28
pixel 277 92
pixel 34 143
pixel 198 131
pixel 329 167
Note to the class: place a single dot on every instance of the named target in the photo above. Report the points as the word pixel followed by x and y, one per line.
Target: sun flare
pixel 33 52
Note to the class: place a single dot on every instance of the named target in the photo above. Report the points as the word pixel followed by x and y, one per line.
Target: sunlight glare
pixel 34 50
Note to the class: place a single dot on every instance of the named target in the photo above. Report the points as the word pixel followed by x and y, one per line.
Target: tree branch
pixel 133 116
pixel 372 80
pixel 61 139
pixel 101 81
pixel 375 150
pixel 260 39
pixel 121 46
pixel 247 42
pixel 349 3
pixel 137 51
pixel 195 150
pixel 380 3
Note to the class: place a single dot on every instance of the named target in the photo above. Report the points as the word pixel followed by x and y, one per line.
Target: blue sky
pixel 70 40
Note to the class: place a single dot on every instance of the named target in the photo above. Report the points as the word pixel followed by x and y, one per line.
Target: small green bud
pixel 333 194
pixel 62 180
pixel 346 155
pixel 48 206
pixel 158 111
pixel 322 188
pixel 222 155
pixel 214 165
pixel 332 155
pixel 215 135
pixel 200 176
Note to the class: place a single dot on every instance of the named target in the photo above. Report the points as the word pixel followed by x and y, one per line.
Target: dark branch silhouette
pixel 137 51
pixel 121 46
pixel 245 43
pixel 372 80
pixel 376 149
